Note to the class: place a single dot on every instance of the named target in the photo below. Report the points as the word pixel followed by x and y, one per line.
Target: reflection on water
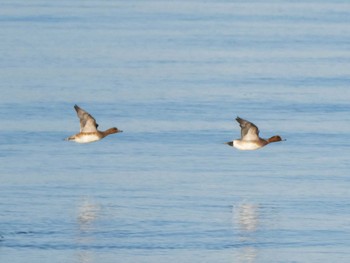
pixel 174 74
pixel 85 256
pixel 247 255
pixel 246 217
pixel 88 213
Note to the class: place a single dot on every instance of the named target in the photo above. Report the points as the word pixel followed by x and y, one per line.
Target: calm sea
pixel 174 75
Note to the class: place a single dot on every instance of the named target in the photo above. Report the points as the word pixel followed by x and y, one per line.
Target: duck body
pixel 250 139
pixel 84 137
pixel 248 145
pixel 88 128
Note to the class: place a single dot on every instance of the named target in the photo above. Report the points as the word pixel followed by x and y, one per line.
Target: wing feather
pixel 87 122
pixel 249 131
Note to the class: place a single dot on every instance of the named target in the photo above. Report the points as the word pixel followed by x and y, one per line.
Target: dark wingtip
pixel 229 143
pixel 76 107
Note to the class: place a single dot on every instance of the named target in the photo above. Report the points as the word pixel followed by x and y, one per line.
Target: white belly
pixel 246 145
pixel 86 138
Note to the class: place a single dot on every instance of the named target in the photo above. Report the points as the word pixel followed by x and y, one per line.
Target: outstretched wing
pixel 249 131
pixel 87 122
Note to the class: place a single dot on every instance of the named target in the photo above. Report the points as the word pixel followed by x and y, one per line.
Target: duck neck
pixel 109 131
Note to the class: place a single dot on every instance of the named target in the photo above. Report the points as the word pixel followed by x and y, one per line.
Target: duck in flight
pixel 88 128
pixel 250 139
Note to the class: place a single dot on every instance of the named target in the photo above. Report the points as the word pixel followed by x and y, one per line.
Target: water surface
pixel 173 75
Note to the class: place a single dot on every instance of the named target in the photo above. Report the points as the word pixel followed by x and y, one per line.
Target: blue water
pixel 173 75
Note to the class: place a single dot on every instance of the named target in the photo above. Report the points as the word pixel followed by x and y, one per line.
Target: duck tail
pixel 71 138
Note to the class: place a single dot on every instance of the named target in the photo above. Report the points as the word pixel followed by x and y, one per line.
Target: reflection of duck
pixel 247 255
pixel 88 213
pixel 247 216
pixel 250 139
pixel 88 128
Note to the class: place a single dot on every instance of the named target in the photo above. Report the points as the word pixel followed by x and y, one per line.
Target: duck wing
pixel 87 122
pixel 249 131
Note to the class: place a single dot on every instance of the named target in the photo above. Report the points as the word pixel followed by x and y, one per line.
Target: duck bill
pixel 229 143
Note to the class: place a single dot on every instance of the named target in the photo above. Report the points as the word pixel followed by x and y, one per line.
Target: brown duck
pixel 250 139
pixel 88 128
